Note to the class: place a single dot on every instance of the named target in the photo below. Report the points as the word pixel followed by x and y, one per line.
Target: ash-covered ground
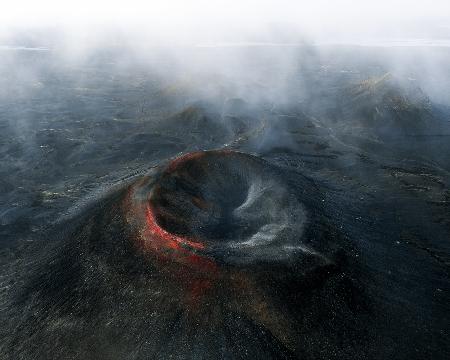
pixel 344 254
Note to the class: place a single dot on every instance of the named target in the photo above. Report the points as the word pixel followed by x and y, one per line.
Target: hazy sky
pixel 194 18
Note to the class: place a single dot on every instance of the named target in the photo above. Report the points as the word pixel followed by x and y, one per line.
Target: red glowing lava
pixel 166 248
pixel 167 239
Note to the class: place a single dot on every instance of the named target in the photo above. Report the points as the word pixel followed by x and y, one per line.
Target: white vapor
pixel 230 20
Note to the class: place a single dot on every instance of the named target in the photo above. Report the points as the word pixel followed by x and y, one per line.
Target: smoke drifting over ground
pixel 201 181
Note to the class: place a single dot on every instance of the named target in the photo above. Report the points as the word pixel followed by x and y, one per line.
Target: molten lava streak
pixel 164 247
pixel 181 247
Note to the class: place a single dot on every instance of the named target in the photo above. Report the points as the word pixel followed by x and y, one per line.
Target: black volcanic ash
pixel 210 254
